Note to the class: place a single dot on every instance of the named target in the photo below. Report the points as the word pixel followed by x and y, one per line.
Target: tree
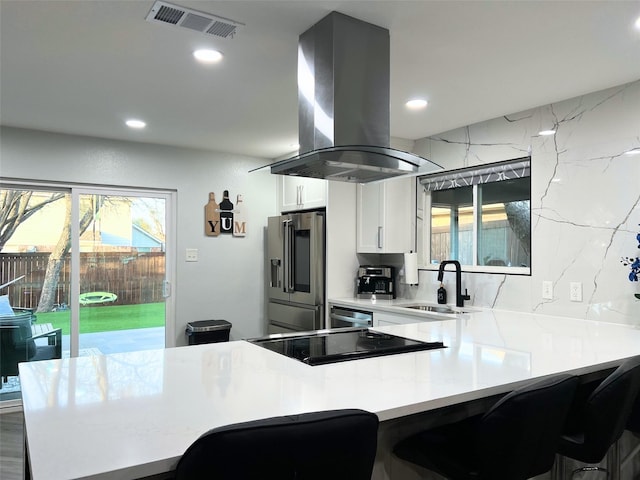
pixel 16 206
pixel 519 218
pixel 54 265
pixel 149 216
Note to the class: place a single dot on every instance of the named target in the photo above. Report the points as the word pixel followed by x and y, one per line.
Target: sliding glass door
pixel 91 265
pixel 122 271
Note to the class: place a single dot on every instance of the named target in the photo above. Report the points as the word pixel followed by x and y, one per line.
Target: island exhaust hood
pixel 343 106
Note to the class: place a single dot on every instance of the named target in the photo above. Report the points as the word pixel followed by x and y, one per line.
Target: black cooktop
pixel 331 346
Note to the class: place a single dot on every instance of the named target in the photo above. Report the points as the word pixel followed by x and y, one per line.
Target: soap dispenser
pixel 442 295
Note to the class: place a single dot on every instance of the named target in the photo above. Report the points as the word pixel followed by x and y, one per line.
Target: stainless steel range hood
pixel 343 106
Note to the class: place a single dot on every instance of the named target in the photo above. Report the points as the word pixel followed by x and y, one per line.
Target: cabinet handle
pixel 379 237
pixel 301 195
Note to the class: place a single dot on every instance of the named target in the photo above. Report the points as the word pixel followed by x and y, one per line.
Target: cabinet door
pixel 399 215
pixel 386 216
pixel 381 319
pixel 313 193
pixel 288 193
pixel 299 193
pixel 369 221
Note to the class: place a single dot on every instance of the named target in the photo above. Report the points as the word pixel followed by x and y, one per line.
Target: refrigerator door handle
pixel 291 258
pixel 287 256
pixel 275 273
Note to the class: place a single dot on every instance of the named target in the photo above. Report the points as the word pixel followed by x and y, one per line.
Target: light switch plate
pixel 547 290
pixel 191 255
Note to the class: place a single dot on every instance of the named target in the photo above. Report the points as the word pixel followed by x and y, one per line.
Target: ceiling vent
pixel 167 13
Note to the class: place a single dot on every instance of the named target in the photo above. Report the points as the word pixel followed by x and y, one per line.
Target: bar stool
pixel 633 426
pixel 596 424
pixel 336 444
pixel 515 440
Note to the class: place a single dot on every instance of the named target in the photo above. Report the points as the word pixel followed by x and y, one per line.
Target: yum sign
pixel 224 217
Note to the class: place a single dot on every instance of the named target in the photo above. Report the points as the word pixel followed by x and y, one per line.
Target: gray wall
pixel 227 281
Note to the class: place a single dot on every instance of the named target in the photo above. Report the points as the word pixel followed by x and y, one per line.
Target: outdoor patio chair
pixel 17 344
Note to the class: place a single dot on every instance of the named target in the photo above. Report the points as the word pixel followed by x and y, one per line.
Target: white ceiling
pixel 83 67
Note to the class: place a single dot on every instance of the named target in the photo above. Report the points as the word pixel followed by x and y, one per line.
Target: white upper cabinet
pixel 301 193
pixel 386 216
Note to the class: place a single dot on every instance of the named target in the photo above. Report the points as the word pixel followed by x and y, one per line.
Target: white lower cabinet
pixel 300 193
pixel 380 319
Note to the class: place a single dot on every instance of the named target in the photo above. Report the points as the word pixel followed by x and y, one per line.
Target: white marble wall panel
pixel 585 202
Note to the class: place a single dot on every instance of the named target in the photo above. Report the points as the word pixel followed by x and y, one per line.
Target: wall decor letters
pixel 225 217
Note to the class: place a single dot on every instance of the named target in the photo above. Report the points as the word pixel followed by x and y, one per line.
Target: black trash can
pixel 208 331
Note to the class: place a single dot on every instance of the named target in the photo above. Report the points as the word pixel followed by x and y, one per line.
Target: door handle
pixel 166 289
pixel 380 237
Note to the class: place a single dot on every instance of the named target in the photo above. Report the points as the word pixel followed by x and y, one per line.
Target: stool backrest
pixel 518 437
pixel 336 445
pixel 608 409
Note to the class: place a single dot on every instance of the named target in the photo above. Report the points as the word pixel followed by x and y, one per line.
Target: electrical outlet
pixel 191 255
pixel 575 291
pixel 547 290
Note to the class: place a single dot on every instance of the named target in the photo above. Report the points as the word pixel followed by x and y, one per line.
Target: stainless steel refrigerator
pixel 295 272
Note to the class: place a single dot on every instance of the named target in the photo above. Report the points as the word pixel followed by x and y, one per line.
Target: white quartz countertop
pixel 131 415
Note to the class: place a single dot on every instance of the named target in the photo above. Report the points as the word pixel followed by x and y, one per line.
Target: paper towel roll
pixel 411 268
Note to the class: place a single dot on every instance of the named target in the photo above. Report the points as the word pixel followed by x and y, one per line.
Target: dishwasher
pixel 348 317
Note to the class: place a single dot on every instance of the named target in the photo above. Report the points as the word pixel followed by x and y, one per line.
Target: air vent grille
pixel 222 29
pixel 207 23
pixel 169 15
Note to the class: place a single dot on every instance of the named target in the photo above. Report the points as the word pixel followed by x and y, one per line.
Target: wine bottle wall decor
pixel 225 217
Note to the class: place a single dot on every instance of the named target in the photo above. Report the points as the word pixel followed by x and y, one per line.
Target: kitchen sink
pixel 434 308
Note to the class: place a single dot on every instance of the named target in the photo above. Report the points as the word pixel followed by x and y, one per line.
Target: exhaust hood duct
pixel 343 106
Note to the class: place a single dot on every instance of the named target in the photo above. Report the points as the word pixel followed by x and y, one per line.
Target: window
pixel 480 216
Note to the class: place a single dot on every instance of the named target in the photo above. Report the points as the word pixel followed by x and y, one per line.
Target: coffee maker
pixel 376 282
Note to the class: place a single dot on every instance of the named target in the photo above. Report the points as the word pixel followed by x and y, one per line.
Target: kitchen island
pixel 132 415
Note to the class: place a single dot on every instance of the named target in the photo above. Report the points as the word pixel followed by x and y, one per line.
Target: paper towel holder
pixel 411 268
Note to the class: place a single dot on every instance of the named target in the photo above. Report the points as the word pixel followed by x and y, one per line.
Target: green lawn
pixel 108 318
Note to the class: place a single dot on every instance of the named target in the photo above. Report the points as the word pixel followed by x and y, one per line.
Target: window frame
pixel 424 206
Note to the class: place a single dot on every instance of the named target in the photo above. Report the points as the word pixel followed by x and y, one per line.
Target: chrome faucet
pixel 460 298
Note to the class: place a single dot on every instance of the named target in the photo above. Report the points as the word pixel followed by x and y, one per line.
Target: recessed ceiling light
pixel 135 123
pixel 207 55
pixel 546 132
pixel 416 104
pixel 635 151
pixel 637 24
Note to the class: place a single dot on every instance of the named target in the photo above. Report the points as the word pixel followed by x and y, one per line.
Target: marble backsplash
pixel 585 203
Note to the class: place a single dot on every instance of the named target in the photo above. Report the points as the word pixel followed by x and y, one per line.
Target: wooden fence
pixel 499 243
pixel 134 277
